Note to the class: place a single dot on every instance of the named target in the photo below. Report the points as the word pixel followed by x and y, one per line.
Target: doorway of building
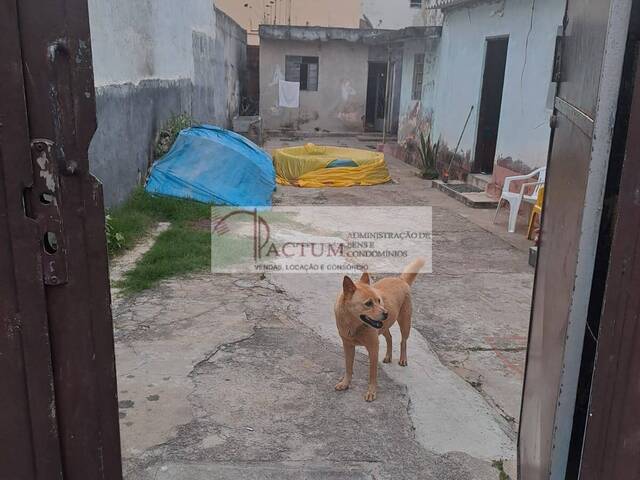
pixel 376 96
pixel 490 104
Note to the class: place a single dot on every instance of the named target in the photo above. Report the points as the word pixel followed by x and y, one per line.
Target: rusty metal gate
pixel 589 72
pixel 58 403
pixel 611 446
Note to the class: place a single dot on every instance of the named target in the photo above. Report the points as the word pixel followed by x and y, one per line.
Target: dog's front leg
pixel 389 340
pixel 349 356
pixel 370 396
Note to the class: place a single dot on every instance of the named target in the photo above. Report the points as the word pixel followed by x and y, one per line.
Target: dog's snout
pixel 385 315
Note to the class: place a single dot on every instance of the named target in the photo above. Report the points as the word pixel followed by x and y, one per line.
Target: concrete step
pixel 294 135
pixel 376 137
pixel 470 195
pixel 301 134
pixel 480 180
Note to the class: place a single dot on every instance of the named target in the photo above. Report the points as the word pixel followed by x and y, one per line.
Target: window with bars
pixel 303 70
pixel 415 3
pixel 418 74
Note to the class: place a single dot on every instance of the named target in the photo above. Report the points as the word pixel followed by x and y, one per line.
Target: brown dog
pixel 365 311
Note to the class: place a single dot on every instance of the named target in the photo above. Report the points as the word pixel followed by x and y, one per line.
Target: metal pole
pixel 386 97
pixel 464 129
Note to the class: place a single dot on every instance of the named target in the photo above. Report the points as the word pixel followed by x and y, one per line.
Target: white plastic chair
pixel 515 199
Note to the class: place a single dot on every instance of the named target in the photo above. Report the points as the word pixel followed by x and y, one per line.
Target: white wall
pixel 416 115
pixel 153 59
pixel 524 131
pixel 392 14
pixel 134 41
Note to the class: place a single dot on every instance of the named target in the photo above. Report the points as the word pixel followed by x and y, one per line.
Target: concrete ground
pixel 231 376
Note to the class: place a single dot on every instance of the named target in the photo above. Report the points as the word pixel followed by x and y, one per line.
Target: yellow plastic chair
pixel 536 211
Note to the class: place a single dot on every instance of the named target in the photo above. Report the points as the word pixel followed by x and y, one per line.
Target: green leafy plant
pixel 169 132
pixel 115 239
pixel 428 156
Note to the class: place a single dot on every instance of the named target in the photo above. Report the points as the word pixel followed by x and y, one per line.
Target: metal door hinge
pixel 44 207
pixel 556 76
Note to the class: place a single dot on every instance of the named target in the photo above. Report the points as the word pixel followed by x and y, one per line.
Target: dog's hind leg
pixel 387 337
pixel 404 322
pixel 349 356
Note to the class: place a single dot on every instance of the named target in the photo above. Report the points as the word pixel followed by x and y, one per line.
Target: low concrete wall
pixel 380 53
pixel 339 103
pixel 153 60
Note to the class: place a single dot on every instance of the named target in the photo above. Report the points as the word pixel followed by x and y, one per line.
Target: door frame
pixel 474 168
pixel 610 441
pixel 373 127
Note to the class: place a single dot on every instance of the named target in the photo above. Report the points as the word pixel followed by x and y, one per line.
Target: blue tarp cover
pixel 213 165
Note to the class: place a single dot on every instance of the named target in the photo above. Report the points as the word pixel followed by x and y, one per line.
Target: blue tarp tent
pixel 213 165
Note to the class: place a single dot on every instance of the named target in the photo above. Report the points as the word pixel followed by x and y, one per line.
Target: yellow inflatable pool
pixel 314 166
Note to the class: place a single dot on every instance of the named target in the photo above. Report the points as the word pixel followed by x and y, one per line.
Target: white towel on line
pixel 289 94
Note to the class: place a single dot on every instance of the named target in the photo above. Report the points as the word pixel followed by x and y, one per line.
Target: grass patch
pixel 499 465
pixel 130 225
pixel 183 248
pixel 166 209
pixel 135 217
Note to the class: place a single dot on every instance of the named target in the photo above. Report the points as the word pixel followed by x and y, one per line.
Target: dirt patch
pixel 204 224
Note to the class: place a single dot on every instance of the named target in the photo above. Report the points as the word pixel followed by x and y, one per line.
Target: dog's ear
pixel 365 278
pixel 348 287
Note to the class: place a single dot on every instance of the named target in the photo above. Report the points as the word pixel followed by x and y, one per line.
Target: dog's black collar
pixel 372 323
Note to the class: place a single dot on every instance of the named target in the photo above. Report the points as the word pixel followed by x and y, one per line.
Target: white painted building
pixel 497 58
pixel 340 77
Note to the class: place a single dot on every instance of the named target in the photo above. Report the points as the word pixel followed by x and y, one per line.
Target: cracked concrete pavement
pixel 231 376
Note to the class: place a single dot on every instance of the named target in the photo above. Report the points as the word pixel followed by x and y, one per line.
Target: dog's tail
pixel 411 271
